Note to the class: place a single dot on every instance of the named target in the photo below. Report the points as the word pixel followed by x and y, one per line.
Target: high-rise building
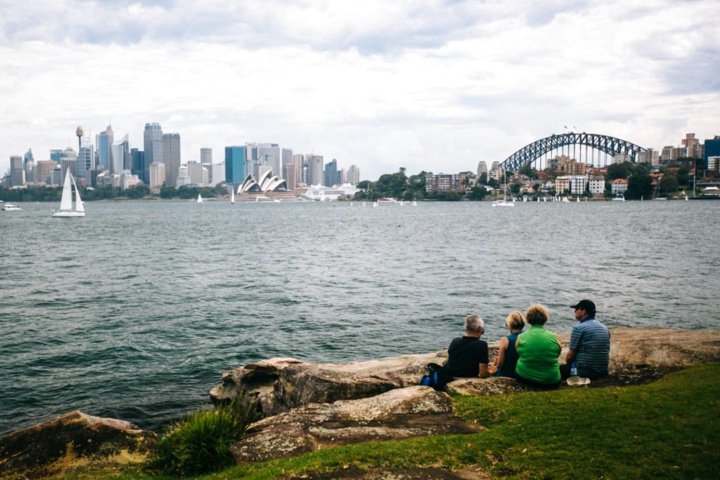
pixel 235 165
pixel 691 146
pixel 29 166
pixel 153 148
pixel 43 171
pixel 171 157
pixel 68 161
pixel 56 155
pixel 104 142
pixel 332 176
pixel 120 159
pixel 353 175
pixel 290 175
pixel 85 161
pixel 17 174
pixel 206 155
pixel 157 175
pixel 287 156
pixel 137 162
pixel 482 168
pixel 315 173
pixel 299 161
pixel 261 157
pixel 217 173
pixel 711 148
pixel 195 172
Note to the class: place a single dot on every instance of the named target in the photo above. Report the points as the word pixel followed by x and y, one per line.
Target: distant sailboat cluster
pixel 69 207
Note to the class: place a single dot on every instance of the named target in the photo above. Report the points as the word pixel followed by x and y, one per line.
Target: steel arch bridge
pixel 609 145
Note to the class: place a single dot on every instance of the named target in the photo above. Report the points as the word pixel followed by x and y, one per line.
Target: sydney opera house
pixel 267 183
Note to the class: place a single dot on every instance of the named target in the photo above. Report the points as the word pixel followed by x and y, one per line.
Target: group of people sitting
pixel 532 355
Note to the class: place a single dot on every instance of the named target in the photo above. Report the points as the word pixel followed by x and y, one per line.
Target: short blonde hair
pixel 474 323
pixel 515 320
pixel 537 314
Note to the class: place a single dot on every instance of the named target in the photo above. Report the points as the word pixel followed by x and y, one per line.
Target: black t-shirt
pixel 464 356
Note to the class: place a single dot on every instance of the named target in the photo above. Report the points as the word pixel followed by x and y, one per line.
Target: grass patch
pixel 201 442
pixel 667 429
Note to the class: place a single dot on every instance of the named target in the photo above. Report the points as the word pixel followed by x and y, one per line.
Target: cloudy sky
pixel 426 85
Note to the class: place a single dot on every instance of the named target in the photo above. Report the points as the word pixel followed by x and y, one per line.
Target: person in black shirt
pixel 468 355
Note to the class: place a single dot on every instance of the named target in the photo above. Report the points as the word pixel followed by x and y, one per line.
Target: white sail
pixel 79 207
pixel 199 200
pixel 232 195
pixel 66 200
pixel 66 209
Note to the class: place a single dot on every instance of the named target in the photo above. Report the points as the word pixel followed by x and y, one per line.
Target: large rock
pixel 400 413
pixel 277 385
pixel 71 440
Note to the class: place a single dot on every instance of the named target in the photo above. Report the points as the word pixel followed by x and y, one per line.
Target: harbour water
pixel 135 311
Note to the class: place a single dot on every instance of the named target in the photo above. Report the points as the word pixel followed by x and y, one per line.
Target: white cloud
pixel 429 85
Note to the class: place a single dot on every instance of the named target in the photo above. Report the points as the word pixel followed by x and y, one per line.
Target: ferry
pixel 11 207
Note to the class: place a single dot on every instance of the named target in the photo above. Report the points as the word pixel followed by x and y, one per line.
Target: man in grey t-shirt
pixel 589 346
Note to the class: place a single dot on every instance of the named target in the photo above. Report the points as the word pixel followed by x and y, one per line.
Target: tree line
pixel 53 194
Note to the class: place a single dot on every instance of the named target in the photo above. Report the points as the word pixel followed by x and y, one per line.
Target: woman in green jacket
pixel 538 351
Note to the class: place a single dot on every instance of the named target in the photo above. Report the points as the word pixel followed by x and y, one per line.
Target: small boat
pixel 618 198
pixel 11 207
pixel 232 195
pixel 199 199
pixel 69 208
pixel 504 202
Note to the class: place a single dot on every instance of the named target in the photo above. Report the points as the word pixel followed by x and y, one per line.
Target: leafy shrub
pixel 201 442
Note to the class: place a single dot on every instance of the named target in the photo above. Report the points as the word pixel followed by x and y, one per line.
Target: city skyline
pixel 426 86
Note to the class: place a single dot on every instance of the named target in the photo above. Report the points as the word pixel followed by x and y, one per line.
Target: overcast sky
pixel 425 85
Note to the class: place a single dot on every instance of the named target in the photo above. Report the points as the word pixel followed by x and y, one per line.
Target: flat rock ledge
pixel 69 441
pixel 397 414
pixel 277 385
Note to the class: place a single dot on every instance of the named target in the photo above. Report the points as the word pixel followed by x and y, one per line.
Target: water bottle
pixel 573 370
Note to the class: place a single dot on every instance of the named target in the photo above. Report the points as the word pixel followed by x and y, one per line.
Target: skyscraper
pixel 262 156
pixel 206 155
pixel 104 141
pixel 299 161
pixel 17 174
pixel 29 166
pixel 171 157
pixel 86 160
pixel 120 156
pixel 137 162
pixel 353 175
pixel 235 158
pixel 331 174
pixel 153 148
pixel 315 172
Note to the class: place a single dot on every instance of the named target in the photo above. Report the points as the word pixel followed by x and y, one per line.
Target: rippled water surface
pixel 136 310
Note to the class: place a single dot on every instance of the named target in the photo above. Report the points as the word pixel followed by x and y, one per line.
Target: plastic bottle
pixel 573 370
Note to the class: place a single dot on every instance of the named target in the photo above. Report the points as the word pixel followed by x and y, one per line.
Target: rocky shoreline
pixel 308 406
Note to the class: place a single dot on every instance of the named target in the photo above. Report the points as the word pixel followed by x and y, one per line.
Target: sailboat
pixel 68 207
pixel 232 195
pixel 199 200
pixel 504 202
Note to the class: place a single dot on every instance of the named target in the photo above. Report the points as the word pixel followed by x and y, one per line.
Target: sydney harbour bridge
pixel 587 148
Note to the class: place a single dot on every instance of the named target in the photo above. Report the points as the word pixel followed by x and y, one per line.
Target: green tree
pixel 619 170
pixel 477 193
pixel 529 171
pixel 639 185
pixel 515 188
pixel 668 184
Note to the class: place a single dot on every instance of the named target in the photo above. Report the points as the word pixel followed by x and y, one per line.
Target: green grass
pixel 667 429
